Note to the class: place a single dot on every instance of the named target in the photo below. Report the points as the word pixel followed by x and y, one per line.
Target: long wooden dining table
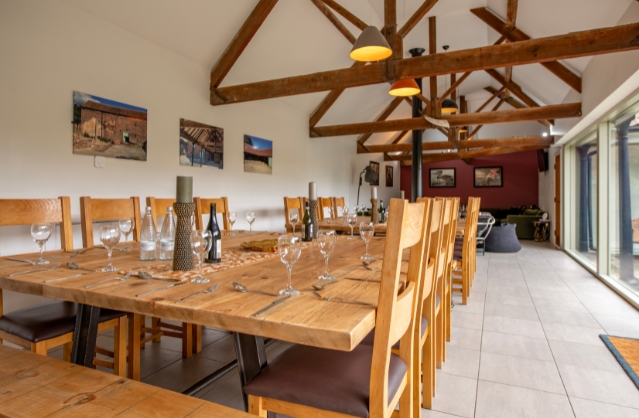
pixel 303 319
pixel 340 225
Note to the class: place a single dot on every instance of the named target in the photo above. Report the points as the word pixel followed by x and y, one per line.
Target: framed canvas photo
pixel 375 167
pixel 389 176
pixel 443 177
pixel 489 177
pixel 258 155
pixel 201 145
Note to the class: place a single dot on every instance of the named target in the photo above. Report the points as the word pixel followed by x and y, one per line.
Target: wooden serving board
pixel 264 246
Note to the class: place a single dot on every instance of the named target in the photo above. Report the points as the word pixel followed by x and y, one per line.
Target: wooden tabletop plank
pixel 303 319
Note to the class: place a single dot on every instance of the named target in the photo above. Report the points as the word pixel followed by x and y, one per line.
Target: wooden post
pixel 416 170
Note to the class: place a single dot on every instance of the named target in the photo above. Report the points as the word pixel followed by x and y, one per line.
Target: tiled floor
pixel 526 345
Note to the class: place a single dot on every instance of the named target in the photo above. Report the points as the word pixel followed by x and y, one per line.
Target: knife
pixel 270 305
pixel 361 279
pixel 21 260
pixel 161 288
pixel 67 277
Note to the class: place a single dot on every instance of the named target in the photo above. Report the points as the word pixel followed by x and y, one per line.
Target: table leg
pixel 251 359
pixel 85 335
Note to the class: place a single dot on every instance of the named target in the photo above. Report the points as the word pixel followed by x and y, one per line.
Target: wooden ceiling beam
pixel 568 110
pixel 515 35
pixel 478 143
pixel 453 87
pixel 381 117
pixel 466 155
pixel 478 127
pixel 511 15
pixel 416 17
pixel 516 104
pixel 334 20
pixel 487 102
pixel 572 45
pixel 346 14
pixel 240 41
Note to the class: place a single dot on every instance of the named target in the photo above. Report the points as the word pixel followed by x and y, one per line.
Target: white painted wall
pixel 50 49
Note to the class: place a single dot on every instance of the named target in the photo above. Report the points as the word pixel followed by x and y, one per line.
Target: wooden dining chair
pixel 338 204
pixel 325 208
pixel 293 203
pixel 203 207
pixel 43 327
pixel 448 271
pixel 368 381
pixel 464 268
pixel 190 334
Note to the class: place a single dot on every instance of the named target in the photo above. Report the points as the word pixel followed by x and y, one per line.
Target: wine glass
pixel 250 217
pixel 345 212
pixel 232 218
pixel 41 233
pixel 110 236
pixel 326 241
pixel 293 218
pixel 201 242
pixel 330 214
pixel 366 230
pixel 352 221
pixel 289 248
pixel 126 226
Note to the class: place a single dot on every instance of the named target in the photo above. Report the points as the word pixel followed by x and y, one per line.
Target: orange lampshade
pixel 403 88
pixel 371 46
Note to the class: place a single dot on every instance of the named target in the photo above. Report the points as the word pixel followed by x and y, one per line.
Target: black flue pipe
pixel 416 190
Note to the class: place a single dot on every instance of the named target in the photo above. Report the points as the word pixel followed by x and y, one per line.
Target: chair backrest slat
pixel 92 210
pixel 158 208
pixel 203 207
pixel 325 203
pixel 293 203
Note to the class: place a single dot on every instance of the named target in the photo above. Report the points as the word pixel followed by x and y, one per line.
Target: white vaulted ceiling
pixel 297 39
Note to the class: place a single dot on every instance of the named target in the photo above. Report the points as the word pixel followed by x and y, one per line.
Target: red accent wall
pixel 520 174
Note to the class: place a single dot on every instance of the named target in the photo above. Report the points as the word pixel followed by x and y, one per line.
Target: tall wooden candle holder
pixel 182 255
pixel 375 211
pixel 314 207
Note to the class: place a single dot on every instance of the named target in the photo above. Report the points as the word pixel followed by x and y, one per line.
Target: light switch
pixel 100 162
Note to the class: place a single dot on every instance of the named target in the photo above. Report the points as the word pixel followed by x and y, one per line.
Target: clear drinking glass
pixel 330 215
pixel 41 233
pixel 200 245
pixel 289 247
pixel 110 236
pixel 293 218
pixel 250 217
pixel 326 241
pixel 352 221
pixel 345 212
pixel 367 230
pixel 232 218
pixel 126 226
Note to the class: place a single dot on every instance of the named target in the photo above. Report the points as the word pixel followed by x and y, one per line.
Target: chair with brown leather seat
pixel 368 381
pixel 43 327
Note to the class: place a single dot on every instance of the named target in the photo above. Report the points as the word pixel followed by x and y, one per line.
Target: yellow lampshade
pixel 449 106
pixel 403 88
pixel 370 46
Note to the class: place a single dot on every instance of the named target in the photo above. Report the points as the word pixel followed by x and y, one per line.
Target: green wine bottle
pixel 307 225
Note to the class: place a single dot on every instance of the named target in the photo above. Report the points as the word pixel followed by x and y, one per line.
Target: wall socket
pixel 100 162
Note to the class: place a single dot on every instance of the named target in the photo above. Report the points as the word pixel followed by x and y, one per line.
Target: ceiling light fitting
pixel 448 106
pixel 371 46
pixel 404 88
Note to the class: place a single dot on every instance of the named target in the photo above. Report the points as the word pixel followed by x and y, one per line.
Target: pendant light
pixel 404 88
pixel 463 130
pixel 448 105
pixel 371 46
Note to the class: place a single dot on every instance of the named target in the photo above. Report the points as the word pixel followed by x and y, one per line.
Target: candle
pixel 184 190
pixel 401 194
pixel 312 190
pixel 373 192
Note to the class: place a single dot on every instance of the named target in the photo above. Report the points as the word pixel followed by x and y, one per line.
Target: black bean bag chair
pixel 503 239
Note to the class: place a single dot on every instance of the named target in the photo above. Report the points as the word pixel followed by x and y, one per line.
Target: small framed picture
pixel 443 177
pixel 489 177
pixel 375 167
pixel 389 176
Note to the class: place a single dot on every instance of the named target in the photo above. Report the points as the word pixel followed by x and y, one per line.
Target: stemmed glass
pixel 366 230
pixel 250 217
pixel 110 236
pixel 289 248
pixel 232 218
pixel 351 218
pixel 126 226
pixel 330 215
pixel 293 218
pixel 345 212
pixel 200 245
pixel 40 234
pixel 326 241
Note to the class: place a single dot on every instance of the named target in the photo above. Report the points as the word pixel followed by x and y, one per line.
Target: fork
pixel 355 302
pixel 34 270
pixel 121 279
pixel 209 290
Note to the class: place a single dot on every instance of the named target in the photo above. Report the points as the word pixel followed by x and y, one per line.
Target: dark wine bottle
pixel 307 225
pixel 382 212
pixel 215 253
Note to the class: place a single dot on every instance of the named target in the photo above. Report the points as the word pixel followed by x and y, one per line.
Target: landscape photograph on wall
pixel 107 128
pixel 201 145
pixel 258 155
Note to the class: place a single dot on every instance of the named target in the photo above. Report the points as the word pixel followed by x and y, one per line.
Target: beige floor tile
pixel 568 318
pixel 501 299
pixel 182 374
pixel 516 346
pixel 610 307
pixel 495 289
pixel 552 294
pixel 475 303
pixel 455 395
pixel 514 326
pixel 221 350
pixel 467 320
pixel 584 355
pixel 226 391
pixel 512 282
pixel 546 283
pixel 495 400
pixel 572 305
pixel 597 385
pixel 619 326
pixel 590 409
pixel 465 338
pixel 427 413
pixel 461 362
pixel 510 311
pixel 571 333
pixel 522 372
